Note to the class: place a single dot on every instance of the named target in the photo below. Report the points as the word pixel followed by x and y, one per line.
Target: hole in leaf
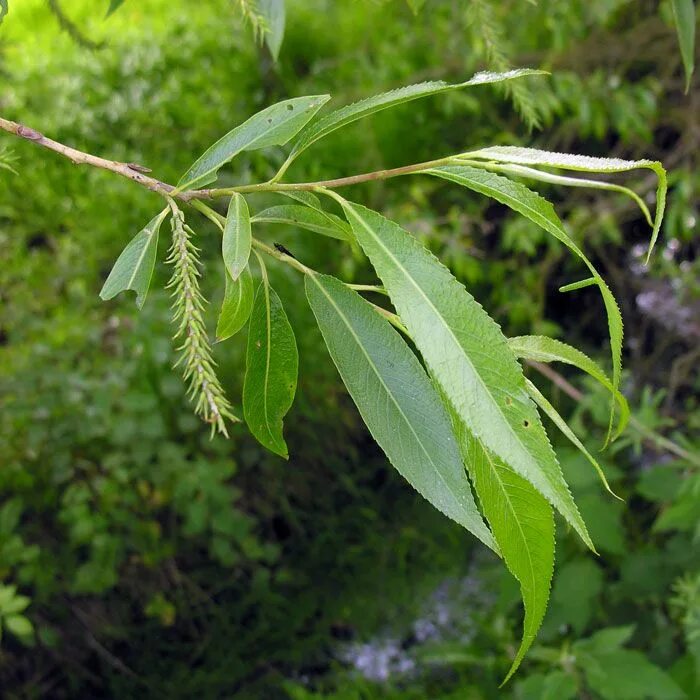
pixel 526 423
pixel 509 401
pixel 290 107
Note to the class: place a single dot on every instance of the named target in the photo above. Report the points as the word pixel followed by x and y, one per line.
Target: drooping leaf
pixel 570 161
pixel 684 18
pixel 522 523
pixel 556 418
pixel 134 267
pixel 273 126
pixel 540 211
pixel 358 110
pixel 542 349
pixel 237 237
pixel 466 353
pixel 415 5
pixel 395 399
pixel 272 364
pixel 304 217
pixel 273 12
pixel 114 5
pixel 236 306
pixel 3 9
pixel 567 181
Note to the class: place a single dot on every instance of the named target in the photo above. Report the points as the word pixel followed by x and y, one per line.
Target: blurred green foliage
pixel 140 559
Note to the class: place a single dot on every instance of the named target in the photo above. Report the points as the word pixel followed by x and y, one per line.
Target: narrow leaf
pixel 522 523
pixel 570 161
pixel 272 364
pixel 554 416
pixel 466 353
pixel 541 212
pixel 237 237
pixel 273 11
pixel 395 399
pixel 358 110
pixel 3 10
pixel 114 5
pixel 684 17
pixel 134 267
pixel 236 306
pixel 304 217
pixel 273 126
pixel 543 349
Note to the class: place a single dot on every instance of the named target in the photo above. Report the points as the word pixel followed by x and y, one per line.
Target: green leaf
pixel 236 306
pixel 395 399
pixel 684 17
pixel 273 12
pixel 580 580
pixel 134 267
pixel 358 110
pixel 415 5
pixel 570 161
pixel 541 212
pixel 605 640
pixel 311 219
pixel 272 363
pixel 522 523
pixel 18 625
pixel 466 353
pixel 628 675
pixel 237 238
pixel 273 126
pixel 543 349
pixel 114 5
pixel 3 10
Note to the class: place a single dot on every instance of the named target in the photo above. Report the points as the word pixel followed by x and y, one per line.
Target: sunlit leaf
pixel 395 399
pixel 358 110
pixel 540 211
pixel 134 267
pixel 273 126
pixel 272 364
pixel 304 217
pixel 114 5
pixel 237 237
pixel 236 306
pixel 522 523
pixel 466 353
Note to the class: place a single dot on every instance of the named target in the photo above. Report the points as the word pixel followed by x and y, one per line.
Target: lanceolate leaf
pixel 554 416
pixel 237 237
pixel 569 161
pixel 134 267
pixel 358 110
pixel 304 217
pixel 684 17
pixel 274 13
pixel 237 305
pixel 396 400
pixel 523 525
pixel 541 212
pixel 272 364
pixel 114 5
pixel 273 126
pixel 543 349
pixel 467 355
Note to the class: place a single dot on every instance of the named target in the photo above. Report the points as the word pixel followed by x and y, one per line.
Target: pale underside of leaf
pixel 466 353
pixel 273 126
pixel 684 17
pixel 396 400
pixel 543 349
pixel 358 110
pixel 522 523
pixel 570 161
pixel 237 236
pixel 274 14
pixel 272 364
pixel 236 306
pixel 541 212
pixel 304 217
pixel 134 267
